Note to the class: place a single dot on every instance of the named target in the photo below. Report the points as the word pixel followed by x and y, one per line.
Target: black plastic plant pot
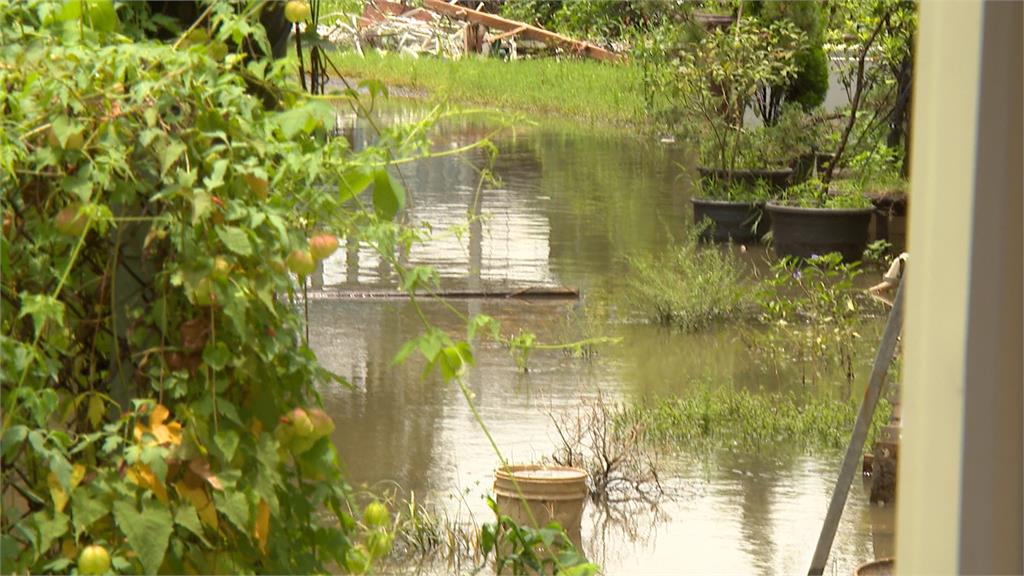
pixel 739 222
pixel 805 232
pixel 777 179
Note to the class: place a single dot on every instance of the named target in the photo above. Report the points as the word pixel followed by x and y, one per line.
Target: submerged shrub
pixel 690 286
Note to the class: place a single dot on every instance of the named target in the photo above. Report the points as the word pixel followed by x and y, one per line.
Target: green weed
pixel 744 420
pixel 690 286
pixel 572 89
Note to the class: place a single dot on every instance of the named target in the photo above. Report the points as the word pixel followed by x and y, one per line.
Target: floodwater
pixel 570 206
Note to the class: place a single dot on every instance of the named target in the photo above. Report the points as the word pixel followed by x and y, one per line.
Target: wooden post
pixel 879 371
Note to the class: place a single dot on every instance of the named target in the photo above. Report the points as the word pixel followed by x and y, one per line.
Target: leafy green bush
pixel 158 399
pixel 689 286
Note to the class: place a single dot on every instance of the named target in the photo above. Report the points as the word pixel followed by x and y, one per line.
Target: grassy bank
pixel 581 90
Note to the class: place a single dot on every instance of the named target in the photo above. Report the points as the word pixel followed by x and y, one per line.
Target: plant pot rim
pixel 706 170
pixel 719 202
pixel 774 206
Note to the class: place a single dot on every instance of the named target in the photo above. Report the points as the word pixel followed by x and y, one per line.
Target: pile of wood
pixel 394 27
pixel 447 29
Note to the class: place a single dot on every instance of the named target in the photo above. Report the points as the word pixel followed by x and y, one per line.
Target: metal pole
pixel 860 432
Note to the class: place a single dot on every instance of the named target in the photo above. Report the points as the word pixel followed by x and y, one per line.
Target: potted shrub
pixel 739 166
pixel 814 219
pixel 732 210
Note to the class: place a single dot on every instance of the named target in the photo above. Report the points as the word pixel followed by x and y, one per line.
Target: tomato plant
pixel 151 345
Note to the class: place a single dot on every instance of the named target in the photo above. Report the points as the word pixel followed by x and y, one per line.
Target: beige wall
pixel 960 491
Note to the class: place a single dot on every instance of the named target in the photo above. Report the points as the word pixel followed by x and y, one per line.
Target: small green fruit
pixel 69 222
pixel 376 515
pixel 221 269
pixel 296 11
pixel 378 544
pixel 301 262
pixel 299 419
pixel 323 245
pixel 356 560
pixel 203 293
pixel 93 560
pixel 322 423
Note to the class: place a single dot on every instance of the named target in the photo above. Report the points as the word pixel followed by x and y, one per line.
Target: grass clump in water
pixel 689 286
pixel 573 89
pixel 744 420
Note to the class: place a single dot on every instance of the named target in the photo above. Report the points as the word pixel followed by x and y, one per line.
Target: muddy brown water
pixel 570 206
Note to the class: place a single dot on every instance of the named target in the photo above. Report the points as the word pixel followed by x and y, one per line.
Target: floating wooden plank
pixel 526 293
pixel 528 31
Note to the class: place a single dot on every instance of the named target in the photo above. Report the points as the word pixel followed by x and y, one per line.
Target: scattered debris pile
pixel 449 30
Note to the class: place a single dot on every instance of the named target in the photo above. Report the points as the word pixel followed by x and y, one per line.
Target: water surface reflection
pixel 567 210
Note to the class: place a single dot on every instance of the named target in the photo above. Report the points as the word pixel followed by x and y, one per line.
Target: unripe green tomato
pixel 323 245
pixel 93 560
pixel 299 419
pixel 296 11
pixel 356 560
pixel 221 269
pixel 301 262
pixel 376 515
pixel 378 544
pixel 69 222
pixel 322 423
pixel 203 293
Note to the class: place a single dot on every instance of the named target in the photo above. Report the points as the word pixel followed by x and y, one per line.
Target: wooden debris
pixel 525 293
pixel 525 30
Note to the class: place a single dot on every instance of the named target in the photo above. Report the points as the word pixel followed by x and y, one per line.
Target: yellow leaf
pixel 262 529
pixel 164 433
pixel 60 498
pixel 198 498
pixel 143 476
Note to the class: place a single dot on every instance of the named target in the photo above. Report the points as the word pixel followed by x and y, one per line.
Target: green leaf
pixel 216 177
pixel 63 128
pixel 50 529
pixel 202 205
pixel 217 355
pixel 86 509
pixel 168 155
pixel 13 437
pixel 147 532
pixel 99 14
pixel 10 549
pixel 353 183
pixel 236 507
pixel 388 194
pixel 42 308
pixel 235 239
pixel 227 441
pixel 305 118
pixel 186 517
pixel 155 457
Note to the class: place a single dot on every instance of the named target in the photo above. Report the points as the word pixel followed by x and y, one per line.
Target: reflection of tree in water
pixel 757 478
pixel 611 527
pixel 388 428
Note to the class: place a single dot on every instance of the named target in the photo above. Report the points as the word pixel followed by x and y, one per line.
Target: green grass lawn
pixel 578 90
